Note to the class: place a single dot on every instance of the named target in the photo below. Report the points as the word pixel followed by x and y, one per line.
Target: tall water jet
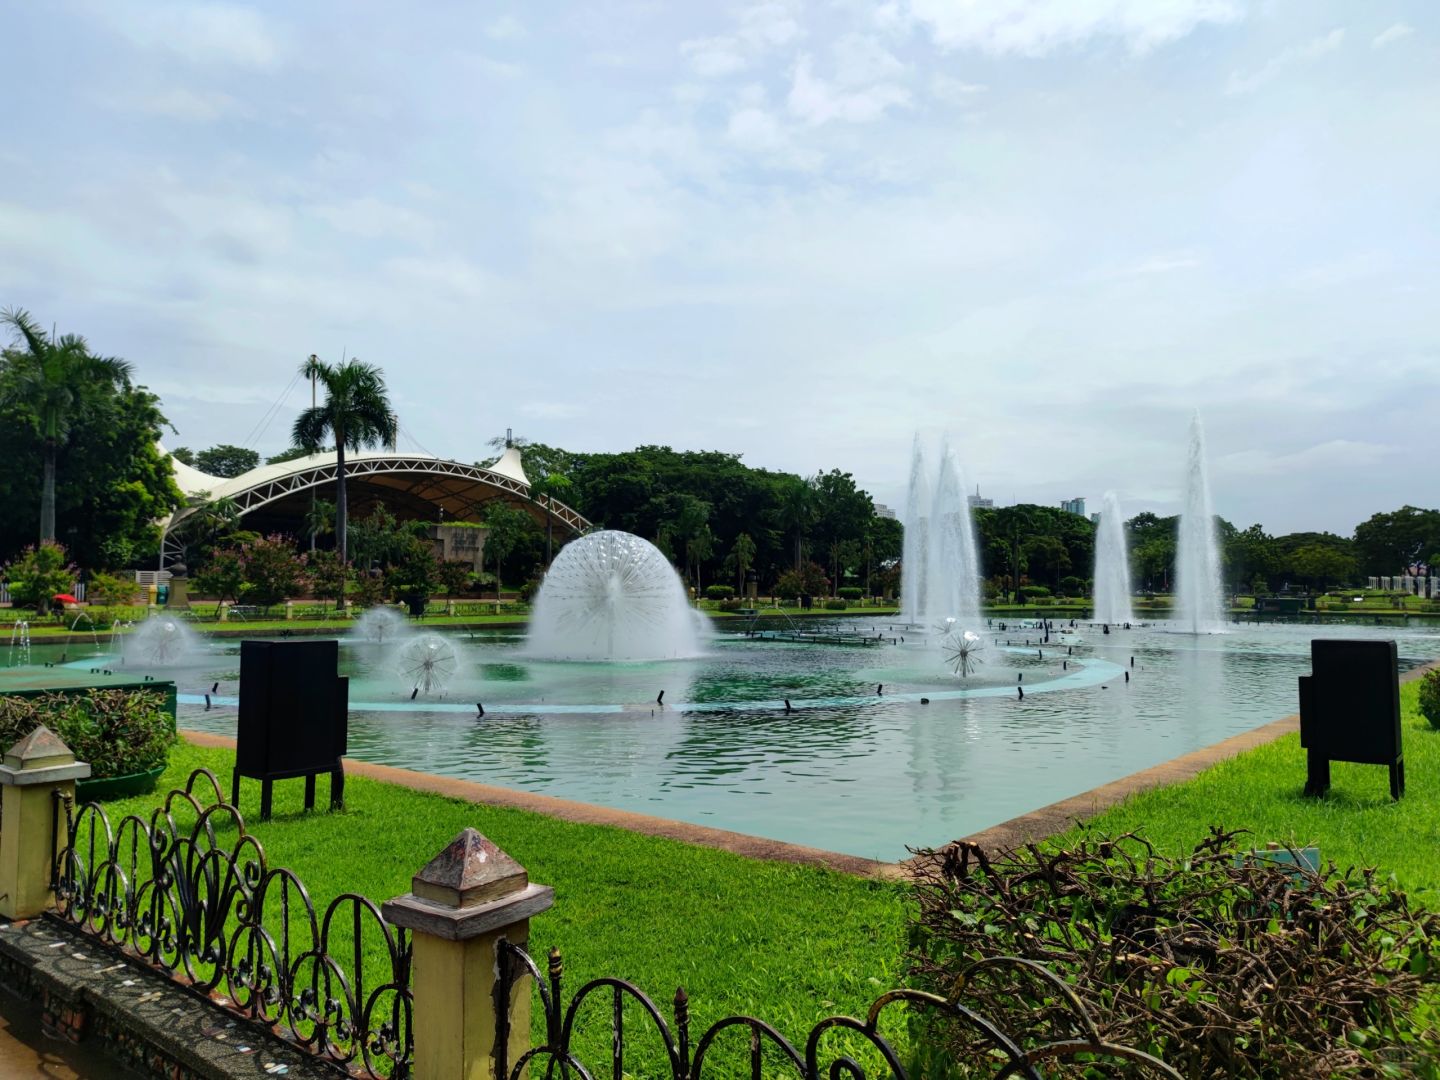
pixel 611 595
pixel 1112 566
pixel 953 574
pixel 1197 553
pixel 940 574
pixel 916 551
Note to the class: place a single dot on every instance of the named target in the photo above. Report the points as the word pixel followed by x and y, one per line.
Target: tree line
pixel 79 443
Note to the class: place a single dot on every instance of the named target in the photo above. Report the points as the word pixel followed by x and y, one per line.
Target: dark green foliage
pixel 719 592
pixel 294 453
pixel 99 433
pixel 273 570
pixel 118 732
pixel 38 575
pixel 850 592
pixel 356 413
pixel 836 605
pixel 454 576
pixel 1430 698
pixel 1387 543
pixel 809 580
pixel 415 575
pixel 1222 964
pixel 226 460
pixel 222 576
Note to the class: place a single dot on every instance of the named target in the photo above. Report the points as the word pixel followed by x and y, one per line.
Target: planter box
pixel 117 787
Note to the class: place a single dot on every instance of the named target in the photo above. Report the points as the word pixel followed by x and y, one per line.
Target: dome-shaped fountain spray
pixel 613 596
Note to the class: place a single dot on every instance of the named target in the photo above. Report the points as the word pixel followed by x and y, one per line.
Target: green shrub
pixel 1430 698
pixel 719 592
pixel 1034 592
pixel 836 605
pixel 850 592
pixel 529 589
pixel 38 575
pixel 1223 963
pixel 118 732
pixel 734 604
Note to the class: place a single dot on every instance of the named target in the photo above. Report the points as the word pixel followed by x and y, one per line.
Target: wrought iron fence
pixel 190 893
pixel 1063 1034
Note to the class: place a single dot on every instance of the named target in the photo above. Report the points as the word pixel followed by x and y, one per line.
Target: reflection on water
pixel 867 775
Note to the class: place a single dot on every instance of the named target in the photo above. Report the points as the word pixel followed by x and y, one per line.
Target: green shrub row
pixel 119 732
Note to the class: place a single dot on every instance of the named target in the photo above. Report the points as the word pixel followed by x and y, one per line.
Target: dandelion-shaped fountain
pixel 428 662
pixel 161 641
pixel 613 596
pixel 962 652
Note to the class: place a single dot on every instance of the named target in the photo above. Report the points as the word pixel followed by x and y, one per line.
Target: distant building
pixel 881 510
pixel 976 502
pixel 1074 506
pixel 1095 519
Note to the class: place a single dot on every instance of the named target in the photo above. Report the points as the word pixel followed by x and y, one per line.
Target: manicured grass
pixel 1261 790
pixel 787 943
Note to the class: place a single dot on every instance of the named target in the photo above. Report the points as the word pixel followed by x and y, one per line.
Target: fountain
pixel 85 617
pixel 20 643
pixel 1197 553
pixel 613 596
pixel 380 625
pixel 161 641
pixel 1112 566
pixel 427 662
pixel 916 553
pixel 941 571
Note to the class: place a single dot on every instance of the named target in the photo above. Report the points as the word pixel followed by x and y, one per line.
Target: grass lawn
pixel 1261 790
pixel 786 943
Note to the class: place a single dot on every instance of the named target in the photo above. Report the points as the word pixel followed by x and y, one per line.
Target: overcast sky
pixel 794 230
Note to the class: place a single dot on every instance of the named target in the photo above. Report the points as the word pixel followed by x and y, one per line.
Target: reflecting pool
pixel 859 763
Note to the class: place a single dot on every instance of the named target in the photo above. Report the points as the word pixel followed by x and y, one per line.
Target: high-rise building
pixel 976 501
pixel 881 510
pixel 1074 506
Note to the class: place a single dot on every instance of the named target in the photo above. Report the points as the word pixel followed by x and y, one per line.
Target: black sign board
pixel 1350 710
pixel 294 717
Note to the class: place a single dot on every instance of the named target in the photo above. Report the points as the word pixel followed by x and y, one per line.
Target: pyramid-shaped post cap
pixel 38 750
pixel 471 870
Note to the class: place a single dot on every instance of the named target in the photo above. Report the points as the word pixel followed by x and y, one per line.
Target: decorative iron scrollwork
pixel 190 893
pixel 836 1048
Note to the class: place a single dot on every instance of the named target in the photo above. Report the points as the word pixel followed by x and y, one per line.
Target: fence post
pixel 462 905
pixel 35 771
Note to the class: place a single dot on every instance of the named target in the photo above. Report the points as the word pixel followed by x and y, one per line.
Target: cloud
pixel 202 34
pixel 768 24
pixel 815 100
pixel 1336 455
pixel 1041 27
pixel 182 103
pixel 1161 263
pixel 1297 54
pixel 1392 34
pixel 954 91
pixel 713 57
pixel 505 28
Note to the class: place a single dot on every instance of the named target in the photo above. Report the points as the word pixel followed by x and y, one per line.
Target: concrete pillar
pixel 289 610
pixel 462 905
pixel 449 607
pixel 224 611
pixel 35 770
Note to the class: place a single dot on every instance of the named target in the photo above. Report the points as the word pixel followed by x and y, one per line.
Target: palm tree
pixel 356 413
pixel 51 374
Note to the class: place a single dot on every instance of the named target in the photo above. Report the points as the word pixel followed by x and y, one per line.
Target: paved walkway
pixel 27 1053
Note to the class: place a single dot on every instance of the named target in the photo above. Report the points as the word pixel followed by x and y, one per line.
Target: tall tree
pixel 50 377
pixel 226 460
pixel 356 413
pixel 743 554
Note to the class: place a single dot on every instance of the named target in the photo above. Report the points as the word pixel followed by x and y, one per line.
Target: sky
pixel 799 231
